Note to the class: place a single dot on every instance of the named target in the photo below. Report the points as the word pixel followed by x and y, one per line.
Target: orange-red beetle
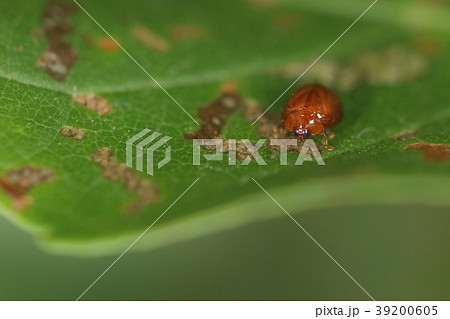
pixel 313 109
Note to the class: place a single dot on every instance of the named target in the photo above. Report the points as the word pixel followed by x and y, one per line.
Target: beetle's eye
pixel 295 132
pixel 306 133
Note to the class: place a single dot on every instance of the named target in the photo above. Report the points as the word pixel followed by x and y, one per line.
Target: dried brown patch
pixel 150 39
pixel 387 67
pixel 73 132
pixel 324 72
pixel 187 31
pixel 113 170
pixel 405 136
pixel 242 152
pixel 214 116
pixel 392 66
pixel 59 56
pixel 229 87
pixel 94 103
pixel 431 152
pixel 291 148
pixel 268 126
pixel 251 110
pixel 108 44
pixel 16 184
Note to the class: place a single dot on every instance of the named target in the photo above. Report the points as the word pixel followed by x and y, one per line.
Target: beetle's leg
pixel 324 142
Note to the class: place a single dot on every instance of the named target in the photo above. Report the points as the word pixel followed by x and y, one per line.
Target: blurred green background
pixel 395 252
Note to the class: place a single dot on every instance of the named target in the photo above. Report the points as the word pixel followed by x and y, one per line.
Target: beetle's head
pixel 301 133
pixel 303 125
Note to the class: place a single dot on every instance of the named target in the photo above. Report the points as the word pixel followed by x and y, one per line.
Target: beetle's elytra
pixel 312 109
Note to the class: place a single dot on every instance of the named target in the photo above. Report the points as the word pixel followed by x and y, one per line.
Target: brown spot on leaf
pixel 292 148
pixel 325 71
pixel 242 152
pixel 229 87
pixel 108 44
pixel 405 136
pixel 431 152
pixel 113 170
pixel 94 103
pixel 268 126
pixel 73 132
pixel 214 116
pixel 187 31
pixel 150 39
pixel 16 184
pixel 391 66
pixel 59 56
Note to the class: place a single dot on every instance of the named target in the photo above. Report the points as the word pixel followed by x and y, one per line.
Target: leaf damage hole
pixel 391 66
pixel 114 170
pixel 150 39
pixel 94 103
pixel 59 56
pixel 73 132
pixel 214 115
pixel 17 183
pixel 431 152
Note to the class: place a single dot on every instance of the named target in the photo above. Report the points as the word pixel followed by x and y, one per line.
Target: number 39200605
pixel 406 310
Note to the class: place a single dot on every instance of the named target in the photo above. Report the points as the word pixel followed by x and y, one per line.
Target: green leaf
pixel 82 212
